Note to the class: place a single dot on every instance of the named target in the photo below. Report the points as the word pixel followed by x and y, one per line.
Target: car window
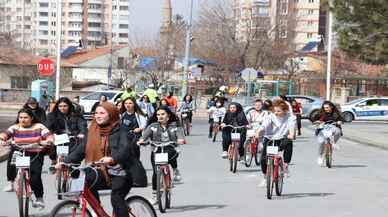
pixel 109 95
pixel 384 102
pixel 304 101
pixel 373 102
pixel 93 96
pixel 117 97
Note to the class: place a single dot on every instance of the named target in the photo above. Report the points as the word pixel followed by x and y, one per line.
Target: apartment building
pixel 291 21
pixel 94 22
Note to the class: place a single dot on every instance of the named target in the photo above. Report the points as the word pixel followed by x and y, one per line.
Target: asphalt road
pixel 354 187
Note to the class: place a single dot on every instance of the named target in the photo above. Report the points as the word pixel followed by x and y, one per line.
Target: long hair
pixel 136 107
pixel 29 113
pixel 334 108
pixel 190 100
pixel 267 105
pixel 68 102
pixel 172 117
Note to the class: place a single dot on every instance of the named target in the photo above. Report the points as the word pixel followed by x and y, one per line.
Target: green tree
pixel 362 28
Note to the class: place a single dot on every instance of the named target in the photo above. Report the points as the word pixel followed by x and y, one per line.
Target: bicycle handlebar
pixel 161 144
pixel 234 127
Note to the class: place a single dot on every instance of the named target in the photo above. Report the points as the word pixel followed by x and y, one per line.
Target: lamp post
pixel 59 38
pixel 185 78
pixel 329 55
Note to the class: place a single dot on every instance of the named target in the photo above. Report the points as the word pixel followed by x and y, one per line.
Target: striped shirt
pixel 33 135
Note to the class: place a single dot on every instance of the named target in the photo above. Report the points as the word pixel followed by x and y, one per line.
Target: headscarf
pixel 98 135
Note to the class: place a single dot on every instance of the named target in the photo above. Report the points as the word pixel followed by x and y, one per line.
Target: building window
pixel 43 14
pixel 311 1
pixel 309 35
pixel 120 63
pixel 43 42
pixel 43 23
pixel 19 82
pixel 310 11
pixel 44 4
pixel 310 23
pixel 123 8
pixel 123 26
pixel 123 35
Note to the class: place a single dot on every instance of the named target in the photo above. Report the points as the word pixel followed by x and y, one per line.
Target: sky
pixel 146 15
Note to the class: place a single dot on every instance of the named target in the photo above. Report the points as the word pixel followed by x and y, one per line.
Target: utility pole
pixel 329 54
pixel 185 78
pixel 59 38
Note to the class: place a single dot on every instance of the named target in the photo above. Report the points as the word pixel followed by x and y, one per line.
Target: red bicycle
pixel 216 128
pixel 186 121
pixel 83 200
pixel 275 168
pixel 22 164
pixel 252 149
pixel 233 153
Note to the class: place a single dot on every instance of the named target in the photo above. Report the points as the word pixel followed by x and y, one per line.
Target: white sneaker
pixel 9 187
pixel 154 199
pixel 38 203
pixel 287 172
pixel 224 154
pixel 177 175
pixel 320 161
pixel 263 183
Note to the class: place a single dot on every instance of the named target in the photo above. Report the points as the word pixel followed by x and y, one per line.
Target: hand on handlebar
pixel 223 125
pixel 140 142
pixel 80 136
pixel 180 141
pixel 106 160
pixel 3 143
pixel 46 143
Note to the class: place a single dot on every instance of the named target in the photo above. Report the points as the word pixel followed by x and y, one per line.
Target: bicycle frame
pixel 276 158
pixel 26 173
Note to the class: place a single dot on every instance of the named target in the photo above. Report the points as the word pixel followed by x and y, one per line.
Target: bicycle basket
pixel 62 150
pixel 235 137
pixel 272 150
pixel 22 162
pixel 251 133
pixel 161 158
pixel 77 184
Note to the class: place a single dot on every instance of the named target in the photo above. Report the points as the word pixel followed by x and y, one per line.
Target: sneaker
pixel 9 187
pixel 263 183
pixel 210 136
pixel 154 199
pixel 177 175
pixel 38 203
pixel 320 161
pixel 287 172
pixel 224 154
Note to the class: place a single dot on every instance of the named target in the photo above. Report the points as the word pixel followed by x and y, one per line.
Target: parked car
pixel 89 100
pixel 311 106
pixel 369 108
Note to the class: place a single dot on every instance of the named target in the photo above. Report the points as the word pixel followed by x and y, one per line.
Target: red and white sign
pixel 46 67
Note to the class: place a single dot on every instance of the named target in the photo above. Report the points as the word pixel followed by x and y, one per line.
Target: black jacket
pixel 238 118
pixel 39 113
pixel 120 149
pixel 56 123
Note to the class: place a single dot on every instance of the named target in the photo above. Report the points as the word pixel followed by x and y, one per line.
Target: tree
pixel 362 28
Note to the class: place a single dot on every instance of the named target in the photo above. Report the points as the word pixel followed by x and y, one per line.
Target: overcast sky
pixel 146 14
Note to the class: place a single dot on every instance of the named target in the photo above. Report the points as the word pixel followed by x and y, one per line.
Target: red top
pixel 297 109
pixel 172 102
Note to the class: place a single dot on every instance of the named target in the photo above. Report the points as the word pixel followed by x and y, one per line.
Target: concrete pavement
pixel 354 187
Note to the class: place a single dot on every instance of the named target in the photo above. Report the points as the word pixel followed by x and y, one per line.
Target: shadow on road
pixel 349 166
pixel 255 170
pixel 302 195
pixel 186 208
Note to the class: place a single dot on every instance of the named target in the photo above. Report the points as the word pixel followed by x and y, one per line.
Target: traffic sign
pixel 46 67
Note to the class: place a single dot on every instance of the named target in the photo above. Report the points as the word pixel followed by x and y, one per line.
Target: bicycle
pixel 164 181
pixel 216 127
pixel 22 164
pixel 186 121
pixel 275 168
pixel 233 153
pixel 83 199
pixel 252 149
pixel 327 130
pixel 62 175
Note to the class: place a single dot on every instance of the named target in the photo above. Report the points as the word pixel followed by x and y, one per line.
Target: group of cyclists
pixel 118 129
pixel 112 137
pixel 277 121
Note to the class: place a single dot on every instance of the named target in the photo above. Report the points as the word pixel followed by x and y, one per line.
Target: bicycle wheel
pixel 140 207
pixel 269 179
pixel 248 156
pixel 280 174
pixel 230 157
pixel 68 208
pixel 60 183
pixel 167 183
pixel 329 157
pixel 161 193
pixel 257 154
pixel 22 196
pixel 235 158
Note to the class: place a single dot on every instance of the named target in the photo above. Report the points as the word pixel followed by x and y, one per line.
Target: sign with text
pixel 46 67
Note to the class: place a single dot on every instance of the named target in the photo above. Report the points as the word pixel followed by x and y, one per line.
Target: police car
pixel 371 108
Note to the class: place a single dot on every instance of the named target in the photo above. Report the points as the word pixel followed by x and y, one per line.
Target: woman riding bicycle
pixel 329 113
pixel 107 143
pixel 234 116
pixel 187 106
pixel 216 114
pixel 278 127
pixel 28 130
pixel 133 121
pixel 64 120
pixel 164 127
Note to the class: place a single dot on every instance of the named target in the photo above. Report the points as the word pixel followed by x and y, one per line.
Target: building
pixel 34 23
pixel 292 21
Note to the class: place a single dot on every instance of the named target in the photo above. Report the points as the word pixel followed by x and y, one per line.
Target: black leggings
pixel 120 185
pixel 299 122
pixel 284 144
pixel 172 160
pixel 36 165
pixel 227 140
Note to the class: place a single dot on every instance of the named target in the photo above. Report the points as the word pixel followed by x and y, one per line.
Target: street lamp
pixel 329 54
pixel 59 36
pixel 187 52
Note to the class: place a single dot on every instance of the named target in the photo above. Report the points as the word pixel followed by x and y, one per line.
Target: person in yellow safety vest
pixel 128 93
pixel 152 95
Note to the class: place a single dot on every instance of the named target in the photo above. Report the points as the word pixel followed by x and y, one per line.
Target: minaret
pixel 166 27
